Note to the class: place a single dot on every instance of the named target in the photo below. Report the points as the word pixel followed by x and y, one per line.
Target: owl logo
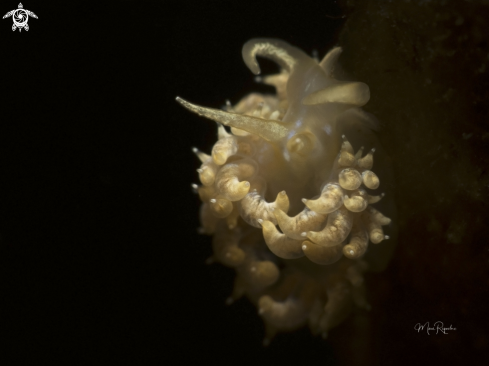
pixel 20 17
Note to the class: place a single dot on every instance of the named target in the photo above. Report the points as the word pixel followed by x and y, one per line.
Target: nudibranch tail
pixel 288 196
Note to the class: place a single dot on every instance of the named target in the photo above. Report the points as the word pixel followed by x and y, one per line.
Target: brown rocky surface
pixel 427 65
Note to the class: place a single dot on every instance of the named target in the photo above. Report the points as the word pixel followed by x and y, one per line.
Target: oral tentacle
pixel 270 130
pixel 276 50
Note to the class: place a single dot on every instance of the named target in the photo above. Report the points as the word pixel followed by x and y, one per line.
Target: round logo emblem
pixel 20 18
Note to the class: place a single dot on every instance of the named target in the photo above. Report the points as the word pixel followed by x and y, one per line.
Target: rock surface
pixel 427 66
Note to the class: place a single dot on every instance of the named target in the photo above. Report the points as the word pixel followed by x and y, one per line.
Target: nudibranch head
pixel 289 162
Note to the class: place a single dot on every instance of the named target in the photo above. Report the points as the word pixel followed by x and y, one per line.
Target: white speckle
pixel 327 129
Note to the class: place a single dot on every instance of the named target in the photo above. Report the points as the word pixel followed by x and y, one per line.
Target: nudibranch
pixel 288 191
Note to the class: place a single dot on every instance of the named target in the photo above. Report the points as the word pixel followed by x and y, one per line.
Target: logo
pixel 20 17
pixel 438 327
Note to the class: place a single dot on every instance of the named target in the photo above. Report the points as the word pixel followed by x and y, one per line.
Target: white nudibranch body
pixel 290 188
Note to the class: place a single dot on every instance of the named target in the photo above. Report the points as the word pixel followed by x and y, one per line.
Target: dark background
pixel 101 261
